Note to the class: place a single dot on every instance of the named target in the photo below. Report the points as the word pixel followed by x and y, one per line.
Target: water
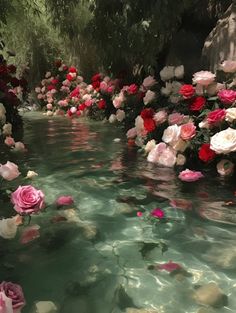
pixel 99 261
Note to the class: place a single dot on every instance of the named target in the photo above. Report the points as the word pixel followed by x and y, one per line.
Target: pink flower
pixel 132 89
pixel 49 106
pixel 187 131
pixel 175 118
pixel 5 303
pixel 27 200
pixel 9 171
pixel 15 293
pixel 160 117
pixel 157 213
pixel 169 267
pixel 19 146
pixel 228 66
pixel 227 96
pixel 190 176
pixel 131 133
pixel 148 82
pixel 9 141
pixel 139 214
pixel 118 100
pixel 64 200
pixel 162 155
pixel 216 116
pixel 203 78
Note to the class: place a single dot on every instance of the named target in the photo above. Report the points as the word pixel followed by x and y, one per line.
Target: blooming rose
pixel 19 146
pixel 160 117
pixel 9 141
pixel 64 200
pixel 181 159
pixel 5 303
pixel 230 115
pixel 187 91
pixel 149 97
pixel 131 133
pixel 151 144
pixel 171 134
pixel 228 66
pixel 48 74
pixel 102 104
pixel 9 171
pixel 162 155
pixel 73 110
pixel 8 227
pixel 224 142
pixel 179 72
pixel 149 124
pixel 157 213
pixel 27 199
pixel 227 96
pixel 15 293
pixel 132 89
pixel 203 78
pixel 216 116
pixel 147 113
pixel 197 103
pixel 112 118
pixel 175 118
pixel 205 153
pixel 167 73
pixel 190 176
pixel 167 90
pixel 120 115
pixel 139 125
pixel 148 82
pixel 7 129
pixel 187 131
pixel 49 106
pixel 225 167
pixel 118 100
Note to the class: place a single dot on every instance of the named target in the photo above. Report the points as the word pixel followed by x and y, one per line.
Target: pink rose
pixel 157 213
pixel 9 171
pixel 15 293
pixel 9 141
pixel 225 167
pixel 19 146
pixel 118 100
pixel 175 118
pixel 49 106
pixel 131 133
pixel 27 200
pixel 160 117
pixel 132 89
pixel 162 155
pixel 227 96
pixel 187 131
pixel 148 82
pixel 203 78
pixel 64 200
pixel 190 176
pixel 228 66
pixel 216 116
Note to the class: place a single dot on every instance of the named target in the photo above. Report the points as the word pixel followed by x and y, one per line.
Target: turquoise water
pixel 99 260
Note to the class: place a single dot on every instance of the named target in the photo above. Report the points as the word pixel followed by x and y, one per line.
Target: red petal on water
pixel 169 266
pixel 30 233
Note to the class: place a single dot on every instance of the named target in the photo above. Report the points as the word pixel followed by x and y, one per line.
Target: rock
pixel 210 294
pixel 224 257
pixel 133 310
pixel 45 307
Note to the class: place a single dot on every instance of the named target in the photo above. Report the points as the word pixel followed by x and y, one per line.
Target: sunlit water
pixel 100 264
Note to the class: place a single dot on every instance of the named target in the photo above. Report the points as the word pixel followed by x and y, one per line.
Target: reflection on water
pixel 98 256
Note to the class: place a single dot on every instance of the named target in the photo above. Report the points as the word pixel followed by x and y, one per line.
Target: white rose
pixel 139 125
pixel 7 129
pixel 167 157
pixel 230 115
pixel 180 160
pixel 204 124
pixel 171 134
pixel 160 117
pixel 19 146
pixel 73 110
pixel 2 114
pixel 179 72
pixel 149 97
pixel 120 115
pixel 203 78
pixel 154 154
pixel 8 227
pixel 224 142
pixel 112 118
pixel 179 145
pixel 49 113
pixel 48 74
pixel 31 174
pixel 167 73
pixel 175 87
pixel 150 145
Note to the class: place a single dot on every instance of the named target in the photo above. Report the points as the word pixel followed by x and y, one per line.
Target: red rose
pixel 65 68
pixel 82 106
pixel 187 91
pixel 96 77
pixel 55 81
pixel 147 113
pixel 101 104
pixel 50 87
pixel 149 124
pixel 216 116
pixel 132 89
pixel 196 104
pixel 74 93
pixel 96 84
pixel 205 153
pixel 69 77
pixel 72 69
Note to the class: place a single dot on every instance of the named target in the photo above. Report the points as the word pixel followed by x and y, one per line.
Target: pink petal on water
pixel 169 267
pixel 30 233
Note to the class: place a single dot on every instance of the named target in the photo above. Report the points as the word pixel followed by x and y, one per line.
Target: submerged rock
pixel 211 295
pixel 45 307
pixel 224 257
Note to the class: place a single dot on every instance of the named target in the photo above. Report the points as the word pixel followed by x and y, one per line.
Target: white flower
pixel 180 160
pixel 2 114
pixel 120 115
pixel 230 115
pixel 148 82
pixel 150 145
pixel 112 118
pixel 224 142
pixel 171 134
pixel 7 129
pixel 73 110
pixel 8 227
pixel 228 66
pixel 167 73
pixel 175 87
pixel 139 125
pixel 31 174
pixel 19 146
pixel 160 117
pixel 203 78
pixel 179 72
pixel 49 113
pixel 204 124
pixel 48 74
pixel 149 97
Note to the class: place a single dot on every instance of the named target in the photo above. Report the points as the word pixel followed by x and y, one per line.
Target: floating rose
pixel 64 200
pixel 190 176
pixel 27 200
pixel 158 213
pixel 15 293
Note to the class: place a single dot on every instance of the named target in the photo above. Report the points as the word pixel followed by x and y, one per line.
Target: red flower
pixel 11 68
pixel 96 77
pixel 101 104
pixel 82 106
pixel 196 104
pixel 132 89
pixel 69 77
pixel 74 93
pixel 205 153
pixel 57 63
pixel 158 213
pixel 147 113
pixel 149 124
pixel 96 84
pixel 55 81
pixel 216 116
pixel 72 69
pixel 65 68
pixel 50 87
pixel 187 91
